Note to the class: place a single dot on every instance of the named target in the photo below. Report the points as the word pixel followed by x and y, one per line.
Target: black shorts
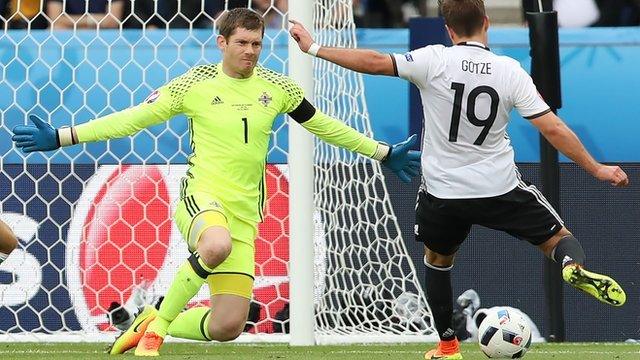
pixel 443 224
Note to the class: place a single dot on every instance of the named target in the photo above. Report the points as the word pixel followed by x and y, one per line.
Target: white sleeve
pixel 527 100
pixel 416 66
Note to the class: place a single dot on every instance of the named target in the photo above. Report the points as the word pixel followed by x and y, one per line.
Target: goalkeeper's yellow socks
pixel 159 326
pixel 186 284
pixel 191 324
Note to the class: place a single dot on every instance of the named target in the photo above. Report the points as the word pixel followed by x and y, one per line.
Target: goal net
pixel 94 221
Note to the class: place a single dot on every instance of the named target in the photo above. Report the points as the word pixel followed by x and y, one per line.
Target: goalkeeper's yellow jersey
pixel 230 123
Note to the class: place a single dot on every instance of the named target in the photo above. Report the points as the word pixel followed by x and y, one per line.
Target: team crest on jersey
pixel 265 99
pixel 152 97
pixel 408 57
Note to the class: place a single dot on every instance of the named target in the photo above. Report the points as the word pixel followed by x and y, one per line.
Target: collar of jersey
pixel 474 44
pixel 225 76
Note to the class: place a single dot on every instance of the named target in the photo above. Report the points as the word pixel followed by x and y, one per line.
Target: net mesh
pixel 94 221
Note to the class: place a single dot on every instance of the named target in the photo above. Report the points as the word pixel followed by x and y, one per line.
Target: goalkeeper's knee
pixel 214 247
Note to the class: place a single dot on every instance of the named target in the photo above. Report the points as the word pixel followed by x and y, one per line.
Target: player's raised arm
pixel 568 143
pixel 360 60
pixel 399 158
pixel 531 106
pixel 41 136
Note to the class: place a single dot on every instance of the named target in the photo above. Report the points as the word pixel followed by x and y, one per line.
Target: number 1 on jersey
pixel 246 130
pixel 486 124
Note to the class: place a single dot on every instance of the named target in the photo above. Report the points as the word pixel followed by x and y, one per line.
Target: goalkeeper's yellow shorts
pixel 199 211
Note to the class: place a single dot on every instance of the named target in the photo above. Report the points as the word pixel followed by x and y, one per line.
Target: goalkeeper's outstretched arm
pixel 43 137
pixel 360 60
pixel 399 158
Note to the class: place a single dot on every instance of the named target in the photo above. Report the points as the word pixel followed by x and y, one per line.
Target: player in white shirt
pixel 468 168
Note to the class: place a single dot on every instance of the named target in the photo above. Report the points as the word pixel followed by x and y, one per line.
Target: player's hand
pixel 300 35
pixel 613 174
pixel 41 137
pixel 403 161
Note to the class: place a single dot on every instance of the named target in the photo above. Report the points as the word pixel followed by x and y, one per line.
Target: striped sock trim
pixel 3 257
pixel 204 325
pixel 437 268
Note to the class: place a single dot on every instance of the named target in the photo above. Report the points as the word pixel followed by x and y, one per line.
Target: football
pixel 504 334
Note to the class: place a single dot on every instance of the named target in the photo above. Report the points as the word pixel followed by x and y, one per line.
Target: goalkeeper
pixel 231 107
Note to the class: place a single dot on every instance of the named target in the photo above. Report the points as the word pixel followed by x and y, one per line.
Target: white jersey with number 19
pixel 467 93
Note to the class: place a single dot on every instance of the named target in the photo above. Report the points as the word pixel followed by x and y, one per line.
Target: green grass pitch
pixel 54 351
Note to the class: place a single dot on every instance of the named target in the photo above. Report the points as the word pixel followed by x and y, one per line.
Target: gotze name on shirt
pixel 483 68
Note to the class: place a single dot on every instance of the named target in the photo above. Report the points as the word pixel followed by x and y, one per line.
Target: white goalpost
pixel 301 209
pixel 94 220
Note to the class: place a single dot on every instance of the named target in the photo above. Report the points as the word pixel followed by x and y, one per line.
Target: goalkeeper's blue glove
pixel 403 161
pixel 41 137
